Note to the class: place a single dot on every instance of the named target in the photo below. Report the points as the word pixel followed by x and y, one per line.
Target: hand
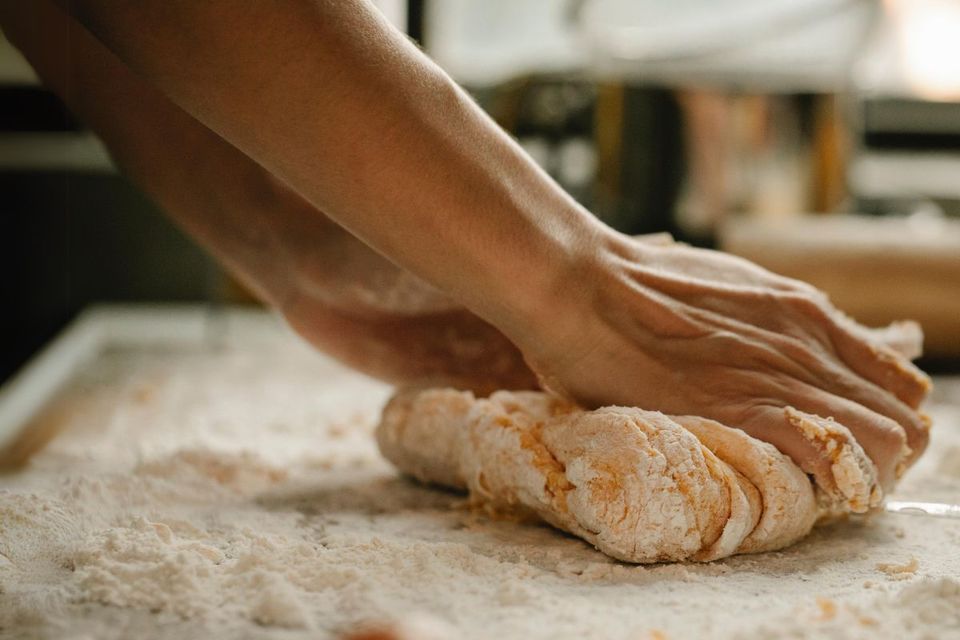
pixel 696 332
pixel 384 321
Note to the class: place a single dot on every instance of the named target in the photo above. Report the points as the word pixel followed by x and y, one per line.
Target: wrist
pixel 555 286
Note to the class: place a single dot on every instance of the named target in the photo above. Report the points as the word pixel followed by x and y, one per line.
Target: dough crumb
pixel 899 571
pixel 417 626
pixel 867 621
pixel 828 608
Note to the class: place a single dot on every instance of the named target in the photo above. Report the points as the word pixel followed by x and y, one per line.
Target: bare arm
pixel 325 95
pixel 337 292
pixel 333 100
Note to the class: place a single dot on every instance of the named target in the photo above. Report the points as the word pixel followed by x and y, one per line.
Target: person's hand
pixel 694 332
pixel 360 307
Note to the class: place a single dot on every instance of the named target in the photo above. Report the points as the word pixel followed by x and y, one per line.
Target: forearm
pixel 335 291
pixel 345 110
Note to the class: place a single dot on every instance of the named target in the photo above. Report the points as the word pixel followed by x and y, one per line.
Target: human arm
pixel 338 293
pixel 346 111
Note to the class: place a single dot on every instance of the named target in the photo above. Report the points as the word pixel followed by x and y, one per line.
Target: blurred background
pixel 819 138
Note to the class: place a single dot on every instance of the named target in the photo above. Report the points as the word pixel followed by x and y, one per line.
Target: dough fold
pixel 639 485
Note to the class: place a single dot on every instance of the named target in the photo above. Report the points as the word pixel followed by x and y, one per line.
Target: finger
pixel 882 439
pixel 904 336
pixel 809 319
pixel 884 367
pixel 844 381
pixel 815 321
pixel 808 364
pixel 842 390
pixel 916 425
pixel 767 421
pixel 823 448
pixel 877 363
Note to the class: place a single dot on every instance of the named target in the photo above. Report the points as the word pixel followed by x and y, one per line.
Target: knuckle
pixel 803 288
pixel 811 304
pixel 919 437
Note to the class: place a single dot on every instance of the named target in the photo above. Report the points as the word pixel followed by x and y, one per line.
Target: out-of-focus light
pixel 928 34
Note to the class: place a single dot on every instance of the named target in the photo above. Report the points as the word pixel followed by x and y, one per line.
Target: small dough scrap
pixel 639 485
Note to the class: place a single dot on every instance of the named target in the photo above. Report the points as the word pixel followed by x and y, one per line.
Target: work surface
pixel 234 490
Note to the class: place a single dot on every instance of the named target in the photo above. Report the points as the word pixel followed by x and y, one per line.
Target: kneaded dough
pixel 639 485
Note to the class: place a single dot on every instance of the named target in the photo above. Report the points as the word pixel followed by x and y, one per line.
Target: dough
pixel 639 485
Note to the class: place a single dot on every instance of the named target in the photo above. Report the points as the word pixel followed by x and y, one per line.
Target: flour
pixel 238 493
pixel 950 463
pixel 926 609
pixel 35 529
pixel 243 473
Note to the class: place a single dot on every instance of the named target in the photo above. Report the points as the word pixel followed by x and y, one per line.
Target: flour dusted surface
pixel 237 493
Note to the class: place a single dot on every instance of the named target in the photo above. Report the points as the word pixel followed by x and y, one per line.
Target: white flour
pixel 238 494
pixel 926 609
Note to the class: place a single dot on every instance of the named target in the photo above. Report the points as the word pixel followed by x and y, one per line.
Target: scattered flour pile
pixel 238 493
